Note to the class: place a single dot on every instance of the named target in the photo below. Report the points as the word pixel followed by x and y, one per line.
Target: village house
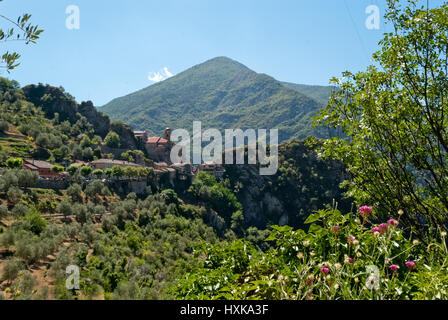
pixel 160 165
pixel 159 148
pixel 184 170
pixel 109 163
pixel 141 135
pixel 43 168
pixel 212 168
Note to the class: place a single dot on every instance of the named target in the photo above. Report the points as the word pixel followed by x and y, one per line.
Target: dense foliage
pixel 303 183
pixel 339 257
pixel 396 116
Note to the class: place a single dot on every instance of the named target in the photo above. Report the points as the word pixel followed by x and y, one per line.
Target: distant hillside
pixel 222 93
pixel 54 101
pixel 303 183
pixel 45 123
pixel 319 93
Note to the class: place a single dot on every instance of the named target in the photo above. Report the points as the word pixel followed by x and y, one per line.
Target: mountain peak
pixel 221 63
pixel 222 93
pixel 224 60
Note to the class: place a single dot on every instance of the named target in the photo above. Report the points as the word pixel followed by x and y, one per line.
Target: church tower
pixel 167 134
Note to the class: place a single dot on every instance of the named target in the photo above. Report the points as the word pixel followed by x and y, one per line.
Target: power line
pixel 356 29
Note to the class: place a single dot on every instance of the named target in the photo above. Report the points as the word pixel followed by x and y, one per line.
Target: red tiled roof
pixel 156 140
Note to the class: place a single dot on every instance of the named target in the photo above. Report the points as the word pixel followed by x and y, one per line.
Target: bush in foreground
pixel 340 257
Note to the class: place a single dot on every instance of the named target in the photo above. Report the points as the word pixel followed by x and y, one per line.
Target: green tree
pixel 117 171
pixel 87 154
pixel 3 211
pixel 108 172
pixel 98 173
pixel 75 192
pixel 112 140
pixel 4 125
pixel 34 222
pixel 14 195
pixel 72 170
pixel 65 207
pixel 26 178
pixel 57 168
pixel 94 188
pixel 131 172
pixel 86 171
pixel 85 142
pixel 395 117
pixel 14 162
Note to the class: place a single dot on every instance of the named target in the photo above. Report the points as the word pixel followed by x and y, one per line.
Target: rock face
pixel 54 100
pixel 126 134
pixel 99 121
pixel 303 183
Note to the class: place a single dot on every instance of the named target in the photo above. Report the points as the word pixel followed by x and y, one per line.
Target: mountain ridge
pixel 222 93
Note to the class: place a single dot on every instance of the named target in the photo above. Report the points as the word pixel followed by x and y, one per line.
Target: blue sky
pixel 120 44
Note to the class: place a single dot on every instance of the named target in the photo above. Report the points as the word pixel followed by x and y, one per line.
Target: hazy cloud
pixel 160 75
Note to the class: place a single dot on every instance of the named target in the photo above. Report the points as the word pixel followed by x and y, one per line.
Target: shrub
pixel 57 168
pixel 72 170
pixel 34 222
pixel 75 192
pixel 19 210
pixel 94 188
pixel 27 178
pixel 3 211
pixel 14 195
pixel 339 257
pixel 65 208
pixel 11 269
pixel 86 171
pixel 24 285
pixel 98 173
pixel 4 126
pixel 112 140
pixel 14 163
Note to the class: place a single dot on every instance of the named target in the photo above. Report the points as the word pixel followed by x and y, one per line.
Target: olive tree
pixel 20 30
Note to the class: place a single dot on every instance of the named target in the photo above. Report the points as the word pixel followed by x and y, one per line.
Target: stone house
pixel 158 148
pixel 43 168
pixel 109 163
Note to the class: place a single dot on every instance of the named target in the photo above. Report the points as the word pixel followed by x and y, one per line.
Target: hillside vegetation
pixel 223 94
